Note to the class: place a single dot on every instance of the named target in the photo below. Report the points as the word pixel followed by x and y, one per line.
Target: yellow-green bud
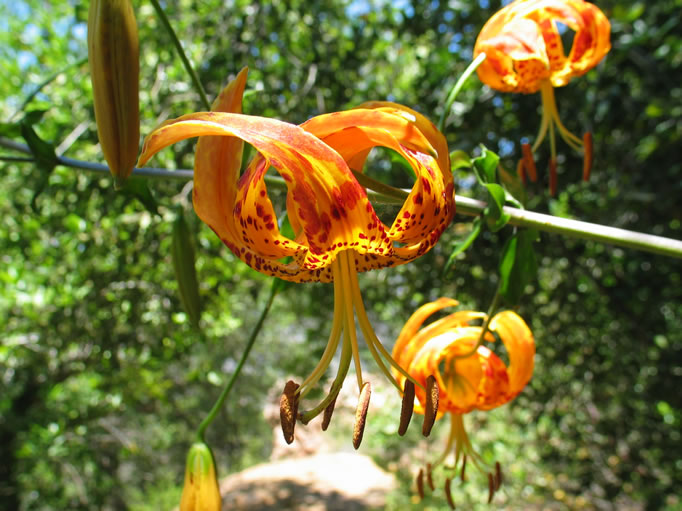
pixel 113 54
pixel 201 492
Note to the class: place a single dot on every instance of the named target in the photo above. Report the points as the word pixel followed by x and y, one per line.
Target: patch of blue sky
pixel 359 8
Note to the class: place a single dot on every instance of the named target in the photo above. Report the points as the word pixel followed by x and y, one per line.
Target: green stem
pixel 465 206
pixel 46 82
pixel 178 46
pixel 252 338
pixel 458 86
pixel 494 304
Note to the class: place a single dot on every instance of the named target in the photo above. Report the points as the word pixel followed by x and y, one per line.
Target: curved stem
pixel 46 82
pixel 178 46
pixel 252 338
pixel 465 206
pixel 494 304
pixel 457 87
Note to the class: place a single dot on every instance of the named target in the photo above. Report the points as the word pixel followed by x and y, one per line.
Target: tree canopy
pixel 103 377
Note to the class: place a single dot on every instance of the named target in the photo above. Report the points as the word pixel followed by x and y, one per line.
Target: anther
pixel 491 488
pixel 529 162
pixel 464 466
pixel 288 410
pixel 498 475
pixel 327 416
pixel 587 159
pixel 431 408
pixel 407 407
pixel 361 414
pixel 420 483
pixel 552 177
pixel 429 477
pixel 521 171
pixel 448 493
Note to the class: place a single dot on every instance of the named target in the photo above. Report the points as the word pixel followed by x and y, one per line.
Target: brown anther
pixel 491 488
pixel 498 475
pixel 288 410
pixel 587 159
pixel 429 477
pixel 448 493
pixel 529 162
pixel 361 414
pixel 521 171
pixel 464 466
pixel 552 177
pixel 420 483
pixel 431 408
pixel 327 416
pixel 407 407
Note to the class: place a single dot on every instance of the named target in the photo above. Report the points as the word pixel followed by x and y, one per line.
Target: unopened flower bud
pixel 200 492
pixel 113 54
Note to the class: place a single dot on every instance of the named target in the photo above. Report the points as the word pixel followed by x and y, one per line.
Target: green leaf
pixel 138 188
pixel 485 165
pixel 459 160
pixel 182 252
pixel 43 151
pixel 518 265
pixel 494 213
pixel 461 245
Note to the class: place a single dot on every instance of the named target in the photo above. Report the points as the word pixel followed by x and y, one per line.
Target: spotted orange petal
pixel 523 46
pixel 520 345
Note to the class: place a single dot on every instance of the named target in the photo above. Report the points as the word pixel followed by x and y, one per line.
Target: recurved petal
pixel 414 323
pixel 429 208
pixel 217 163
pixel 520 345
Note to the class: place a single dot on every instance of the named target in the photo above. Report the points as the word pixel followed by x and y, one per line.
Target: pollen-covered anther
pixel 361 414
pixel 587 158
pixel 464 466
pixel 498 475
pixel 407 407
pixel 420 483
pixel 327 416
pixel 491 488
pixel 431 405
pixel 552 177
pixel 288 410
pixel 429 476
pixel 448 493
pixel 529 162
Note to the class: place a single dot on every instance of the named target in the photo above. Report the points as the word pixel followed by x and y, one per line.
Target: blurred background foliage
pixel 102 379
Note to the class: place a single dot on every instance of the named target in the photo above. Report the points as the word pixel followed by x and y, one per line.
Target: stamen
pixel 431 408
pixel 464 466
pixel 407 407
pixel 521 171
pixel 288 410
pixel 420 483
pixel 498 475
pixel 552 177
pixel 491 488
pixel 429 476
pixel 327 417
pixel 361 414
pixel 587 159
pixel 529 162
pixel 448 493
pixel 346 278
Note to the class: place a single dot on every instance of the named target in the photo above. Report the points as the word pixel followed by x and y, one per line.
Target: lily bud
pixel 200 492
pixel 113 55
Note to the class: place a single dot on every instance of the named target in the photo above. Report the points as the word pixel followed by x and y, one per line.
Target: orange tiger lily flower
pixel 524 53
pixel 469 375
pixel 337 231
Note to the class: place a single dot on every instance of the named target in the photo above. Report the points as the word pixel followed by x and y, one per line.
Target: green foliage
pixel 102 378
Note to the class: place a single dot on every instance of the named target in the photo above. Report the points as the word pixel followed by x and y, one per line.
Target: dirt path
pixel 311 474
